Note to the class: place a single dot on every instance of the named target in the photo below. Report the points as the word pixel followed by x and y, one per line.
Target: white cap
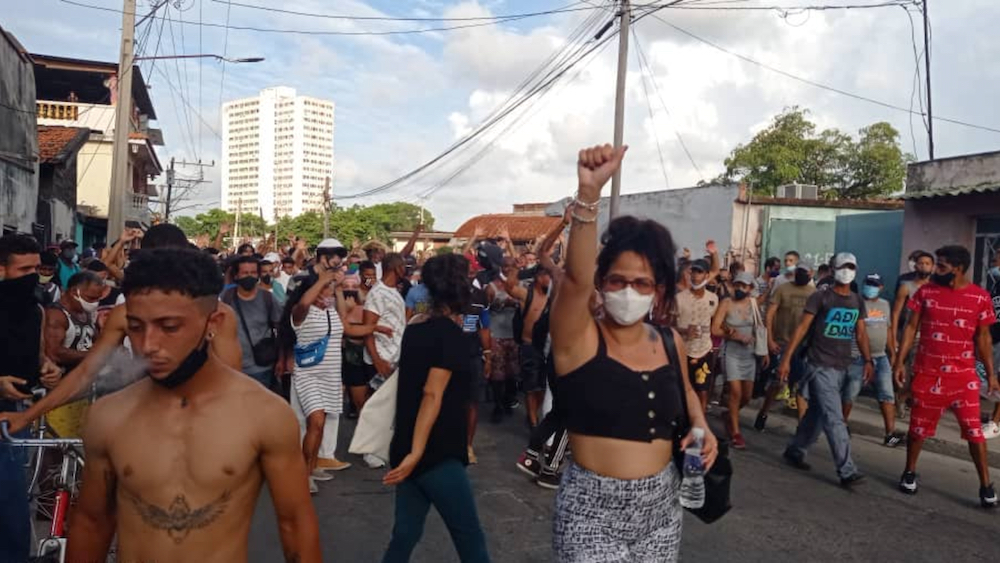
pixel 333 244
pixel 272 257
pixel 843 259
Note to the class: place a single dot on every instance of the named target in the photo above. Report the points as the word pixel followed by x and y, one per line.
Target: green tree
pixel 190 226
pixel 789 150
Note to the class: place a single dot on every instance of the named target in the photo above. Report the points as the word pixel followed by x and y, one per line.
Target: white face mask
pixel 88 307
pixel 698 286
pixel 845 275
pixel 627 306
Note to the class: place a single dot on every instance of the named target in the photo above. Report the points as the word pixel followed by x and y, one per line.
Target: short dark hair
pixel 288 260
pixel 447 279
pixel 823 268
pixel 85 277
pixel 921 254
pixel 391 261
pixel 234 266
pixel 96 266
pixel 16 243
pixel 366 265
pixel 49 259
pixel 794 253
pixel 772 262
pixel 179 270
pixel 957 256
pixel 164 235
pixel 646 238
pixel 243 247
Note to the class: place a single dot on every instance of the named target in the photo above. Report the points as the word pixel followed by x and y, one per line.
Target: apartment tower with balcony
pixel 277 153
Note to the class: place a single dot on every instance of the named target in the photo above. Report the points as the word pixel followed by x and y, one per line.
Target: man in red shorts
pixel 952 313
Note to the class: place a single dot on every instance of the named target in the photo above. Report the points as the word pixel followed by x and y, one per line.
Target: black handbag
pixel 718 479
pixel 265 351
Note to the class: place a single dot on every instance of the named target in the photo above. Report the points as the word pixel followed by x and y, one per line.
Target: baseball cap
pixel 843 259
pixel 68 243
pixel 272 258
pixel 874 279
pixel 745 278
pixel 700 264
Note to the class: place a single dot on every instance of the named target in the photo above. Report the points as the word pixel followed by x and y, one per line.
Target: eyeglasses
pixel 614 282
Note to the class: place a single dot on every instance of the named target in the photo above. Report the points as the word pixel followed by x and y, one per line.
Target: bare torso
pixel 188 471
pixel 531 316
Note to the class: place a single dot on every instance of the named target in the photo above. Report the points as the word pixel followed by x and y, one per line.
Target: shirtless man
pixel 75 385
pixel 533 301
pixel 217 436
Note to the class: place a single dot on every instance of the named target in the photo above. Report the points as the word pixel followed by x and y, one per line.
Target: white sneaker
pixel 374 462
pixel 320 475
pixel 313 488
pixel 991 430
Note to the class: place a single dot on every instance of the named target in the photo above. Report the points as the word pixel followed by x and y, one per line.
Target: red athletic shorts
pixel 932 395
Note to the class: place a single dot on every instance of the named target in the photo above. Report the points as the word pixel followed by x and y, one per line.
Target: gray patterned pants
pixel 602 519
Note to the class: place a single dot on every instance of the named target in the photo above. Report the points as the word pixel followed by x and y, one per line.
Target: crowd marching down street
pixel 196 375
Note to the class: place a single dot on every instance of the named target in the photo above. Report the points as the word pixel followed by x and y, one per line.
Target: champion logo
pixel 938 336
pixel 968 355
pixel 961 323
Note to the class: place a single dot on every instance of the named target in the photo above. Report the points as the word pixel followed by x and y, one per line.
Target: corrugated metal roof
pixel 967 190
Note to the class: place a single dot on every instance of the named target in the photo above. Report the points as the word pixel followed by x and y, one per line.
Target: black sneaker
pixel 908 483
pixel 548 480
pixel 988 496
pixel 760 423
pixel 796 461
pixel 529 464
pixel 892 440
pixel 851 480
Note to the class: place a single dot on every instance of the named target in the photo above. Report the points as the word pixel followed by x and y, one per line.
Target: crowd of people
pixel 612 343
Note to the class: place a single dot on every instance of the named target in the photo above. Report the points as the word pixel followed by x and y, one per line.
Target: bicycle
pixel 65 483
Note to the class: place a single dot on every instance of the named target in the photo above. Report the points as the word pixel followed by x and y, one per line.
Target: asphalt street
pixel 779 514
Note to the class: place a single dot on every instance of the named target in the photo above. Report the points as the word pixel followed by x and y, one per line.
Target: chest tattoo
pixel 178 519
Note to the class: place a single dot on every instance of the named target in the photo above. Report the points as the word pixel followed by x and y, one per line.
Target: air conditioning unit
pixel 798 191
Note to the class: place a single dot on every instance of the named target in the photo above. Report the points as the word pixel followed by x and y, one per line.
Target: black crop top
pixel 605 398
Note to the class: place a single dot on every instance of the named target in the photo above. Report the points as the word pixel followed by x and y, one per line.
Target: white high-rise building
pixel 277 152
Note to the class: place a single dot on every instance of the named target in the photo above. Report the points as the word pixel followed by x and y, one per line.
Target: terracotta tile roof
pixel 522 228
pixel 54 143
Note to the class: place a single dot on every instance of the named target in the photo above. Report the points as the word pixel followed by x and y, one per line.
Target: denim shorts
pixel 882 381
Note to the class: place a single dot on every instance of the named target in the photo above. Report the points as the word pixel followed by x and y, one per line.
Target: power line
pixel 335 33
pixel 402 18
pixel 819 84
pixel 656 88
pixel 787 10
pixel 652 117
pixel 225 53
pixel 189 106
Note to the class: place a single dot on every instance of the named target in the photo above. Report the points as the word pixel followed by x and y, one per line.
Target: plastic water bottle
pixel 693 483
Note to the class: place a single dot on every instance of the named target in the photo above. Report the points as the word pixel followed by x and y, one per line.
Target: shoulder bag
pixel 265 351
pixel 312 354
pixel 759 331
pixel 718 479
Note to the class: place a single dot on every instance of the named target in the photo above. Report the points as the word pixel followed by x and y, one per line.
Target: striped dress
pixel 318 388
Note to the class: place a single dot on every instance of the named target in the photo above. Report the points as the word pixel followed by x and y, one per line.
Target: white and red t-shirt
pixel 948 322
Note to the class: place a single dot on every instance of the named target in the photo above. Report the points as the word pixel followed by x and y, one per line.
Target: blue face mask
pixel 870 291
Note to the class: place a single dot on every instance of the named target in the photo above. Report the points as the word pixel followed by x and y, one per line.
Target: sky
pixel 401 100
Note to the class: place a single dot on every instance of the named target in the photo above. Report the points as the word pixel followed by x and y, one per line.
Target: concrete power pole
pixel 120 177
pixel 623 30
pixel 927 72
pixel 170 190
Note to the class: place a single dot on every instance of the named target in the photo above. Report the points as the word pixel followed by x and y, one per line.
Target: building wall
pixel 277 153
pixel 93 173
pixel 18 140
pixel 932 223
pixel 951 173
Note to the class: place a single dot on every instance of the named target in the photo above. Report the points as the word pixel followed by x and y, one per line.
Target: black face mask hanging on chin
pixel 943 279
pixel 190 366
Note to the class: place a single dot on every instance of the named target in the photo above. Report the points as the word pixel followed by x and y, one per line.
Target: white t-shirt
pixel 388 304
pixel 695 311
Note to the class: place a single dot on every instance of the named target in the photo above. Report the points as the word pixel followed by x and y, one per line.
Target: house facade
pixel 18 139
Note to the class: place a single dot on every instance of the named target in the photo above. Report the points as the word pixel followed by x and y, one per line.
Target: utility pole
pixel 239 212
pixel 927 73
pixel 623 30
pixel 326 209
pixel 120 177
pixel 171 178
pixel 170 190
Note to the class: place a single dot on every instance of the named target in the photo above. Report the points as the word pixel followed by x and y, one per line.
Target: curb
pixel 957 450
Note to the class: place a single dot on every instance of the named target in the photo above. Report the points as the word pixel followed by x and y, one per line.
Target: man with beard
pixel 192 497
pixel 22 360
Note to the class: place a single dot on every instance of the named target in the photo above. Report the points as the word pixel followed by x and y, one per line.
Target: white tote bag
pixel 759 331
pixel 377 422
